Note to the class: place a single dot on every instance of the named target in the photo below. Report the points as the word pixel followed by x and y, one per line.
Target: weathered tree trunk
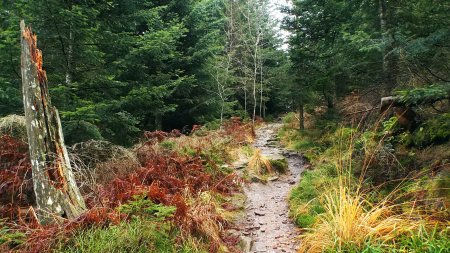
pixel 302 114
pixel 69 57
pixel 57 194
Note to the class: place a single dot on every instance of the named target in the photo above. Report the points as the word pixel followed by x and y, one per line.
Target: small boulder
pixel 245 243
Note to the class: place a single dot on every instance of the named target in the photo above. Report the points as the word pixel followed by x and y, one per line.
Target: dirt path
pixel 267 222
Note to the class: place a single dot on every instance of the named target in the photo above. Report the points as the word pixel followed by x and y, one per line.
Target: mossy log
pixel 57 194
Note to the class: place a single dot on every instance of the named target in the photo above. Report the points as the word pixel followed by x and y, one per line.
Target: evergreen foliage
pixel 338 46
pixel 117 68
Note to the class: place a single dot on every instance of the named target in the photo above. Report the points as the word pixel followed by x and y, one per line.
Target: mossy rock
pixel 279 164
pixel 258 179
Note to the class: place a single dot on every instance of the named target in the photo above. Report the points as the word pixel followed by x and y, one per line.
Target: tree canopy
pixel 117 68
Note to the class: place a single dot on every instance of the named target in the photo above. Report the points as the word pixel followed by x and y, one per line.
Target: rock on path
pixel 267 221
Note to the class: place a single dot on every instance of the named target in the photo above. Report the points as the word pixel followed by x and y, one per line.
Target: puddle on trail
pixel 267 221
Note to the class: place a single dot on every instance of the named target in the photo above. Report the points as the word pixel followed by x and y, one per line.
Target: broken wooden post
pixel 57 194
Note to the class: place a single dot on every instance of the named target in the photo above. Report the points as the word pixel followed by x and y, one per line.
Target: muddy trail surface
pixel 267 221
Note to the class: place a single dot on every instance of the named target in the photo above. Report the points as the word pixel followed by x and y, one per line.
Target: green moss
pixel 305 220
pixel 280 165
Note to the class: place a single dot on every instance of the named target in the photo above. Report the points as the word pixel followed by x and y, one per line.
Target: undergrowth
pixel 175 197
pixel 365 193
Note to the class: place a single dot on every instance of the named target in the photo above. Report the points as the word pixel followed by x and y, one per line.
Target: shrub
pixel 100 162
pixel 143 207
pixel 434 130
pixel 80 131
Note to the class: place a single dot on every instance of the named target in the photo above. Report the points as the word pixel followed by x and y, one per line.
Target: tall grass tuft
pixel 259 163
pixel 349 219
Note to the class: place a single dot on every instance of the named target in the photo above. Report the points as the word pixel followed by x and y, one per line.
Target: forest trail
pixel 267 221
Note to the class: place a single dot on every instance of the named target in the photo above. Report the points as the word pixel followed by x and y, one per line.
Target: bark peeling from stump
pixel 57 194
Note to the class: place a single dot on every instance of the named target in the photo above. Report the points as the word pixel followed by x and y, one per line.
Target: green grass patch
pixel 304 199
pixel 435 130
pixel 9 238
pixel 170 145
pixel 138 235
pixel 280 165
pixel 148 230
pixel 421 241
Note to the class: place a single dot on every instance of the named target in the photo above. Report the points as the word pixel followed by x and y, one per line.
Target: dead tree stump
pixel 57 194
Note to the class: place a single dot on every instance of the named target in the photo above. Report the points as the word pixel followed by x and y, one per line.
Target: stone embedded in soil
pixel 257 179
pixel 259 213
pixel 245 243
pixel 273 178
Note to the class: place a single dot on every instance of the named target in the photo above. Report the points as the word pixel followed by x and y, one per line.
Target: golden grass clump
pixel 204 218
pixel 15 126
pixel 259 163
pixel 349 219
